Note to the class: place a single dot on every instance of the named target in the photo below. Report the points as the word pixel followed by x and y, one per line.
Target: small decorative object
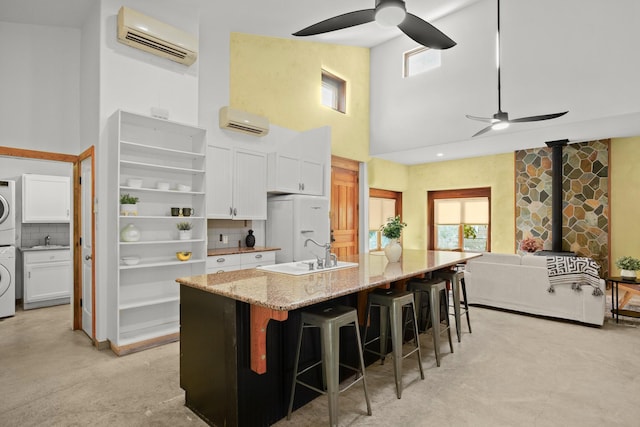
pixel 187 211
pixel 162 185
pixel 530 244
pixel 184 230
pixel 134 182
pixel 250 240
pixel 176 212
pixel 183 187
pixel 130 260
pixel 130 233
pixel 392 230
pixel 628 267
pixel 128 205
pixel 183 256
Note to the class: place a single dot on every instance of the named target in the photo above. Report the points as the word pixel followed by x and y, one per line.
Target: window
pixel 420 60
pixel 459 220
pixel 383 205
pixel 334 91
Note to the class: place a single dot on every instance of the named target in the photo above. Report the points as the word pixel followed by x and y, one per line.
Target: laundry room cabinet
pixel 163 164
pixel 46 199
pixel 47 278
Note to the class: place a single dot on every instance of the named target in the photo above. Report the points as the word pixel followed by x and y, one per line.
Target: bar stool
pixel 456 278
pixel 433 287
pixel 391 303
pixel 329 320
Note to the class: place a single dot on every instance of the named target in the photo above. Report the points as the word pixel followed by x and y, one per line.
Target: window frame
pixel 339 87
pixel 465 193
pixel 406 56
pixel 385 194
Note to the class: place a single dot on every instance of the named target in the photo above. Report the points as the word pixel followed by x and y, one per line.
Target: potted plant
pixel 392 230
pixel 128 205
pixel 184 230
pixel 628 267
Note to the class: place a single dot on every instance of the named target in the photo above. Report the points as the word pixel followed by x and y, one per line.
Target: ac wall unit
pixel 148 34
pixel 241 121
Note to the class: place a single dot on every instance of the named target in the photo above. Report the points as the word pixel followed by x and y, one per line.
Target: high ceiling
pixel 399 141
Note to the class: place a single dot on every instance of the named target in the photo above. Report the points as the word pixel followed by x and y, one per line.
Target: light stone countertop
pixel 45 248
pixel 285 292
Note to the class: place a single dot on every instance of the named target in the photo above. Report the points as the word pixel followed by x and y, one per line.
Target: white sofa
pixel 521 283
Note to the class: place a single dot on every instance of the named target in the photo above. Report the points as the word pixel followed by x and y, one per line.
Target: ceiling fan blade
pixel 538 118
pixel 485 130
pixel 482 119
pixel 339 22
pixel 424 33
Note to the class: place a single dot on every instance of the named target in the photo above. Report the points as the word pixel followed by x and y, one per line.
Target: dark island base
pixel 215 370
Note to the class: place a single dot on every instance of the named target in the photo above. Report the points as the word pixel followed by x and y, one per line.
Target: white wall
pixel 40 101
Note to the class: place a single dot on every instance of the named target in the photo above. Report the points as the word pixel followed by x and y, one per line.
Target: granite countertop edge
pixel 55 248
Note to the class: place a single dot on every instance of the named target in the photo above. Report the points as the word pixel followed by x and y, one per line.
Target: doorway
pixel 84 236
pixel 344 206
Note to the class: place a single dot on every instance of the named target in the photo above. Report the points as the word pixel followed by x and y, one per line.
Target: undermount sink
pixel 48 247
pixel 299 268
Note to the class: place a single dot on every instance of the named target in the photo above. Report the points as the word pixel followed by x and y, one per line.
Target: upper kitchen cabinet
pixel 163 165
pixel 298 167
pixel 236 183
pixel 46 199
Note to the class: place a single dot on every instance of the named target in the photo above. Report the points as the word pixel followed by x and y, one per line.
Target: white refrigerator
pixel 294 218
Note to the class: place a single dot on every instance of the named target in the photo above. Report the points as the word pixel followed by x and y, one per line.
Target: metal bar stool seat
pixel 391 303
pixel 456 278
pixel 433 287
pixel 329 320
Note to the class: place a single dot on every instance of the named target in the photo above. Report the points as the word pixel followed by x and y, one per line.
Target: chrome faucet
pixel 47 240
pixel 330 260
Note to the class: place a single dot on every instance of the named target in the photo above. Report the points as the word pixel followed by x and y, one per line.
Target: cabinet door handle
pixel 87 257
pixel 303 186
pixel 235 211
pixel 258 256
pixel 220 260
pixel 231 210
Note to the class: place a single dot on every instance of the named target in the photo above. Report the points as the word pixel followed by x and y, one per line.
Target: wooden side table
pixel 630 287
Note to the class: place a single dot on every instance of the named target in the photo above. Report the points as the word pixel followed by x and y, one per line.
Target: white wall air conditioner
pixel 244 122
pixel 148 34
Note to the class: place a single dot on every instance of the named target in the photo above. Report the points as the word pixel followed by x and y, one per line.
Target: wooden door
pixel 344 206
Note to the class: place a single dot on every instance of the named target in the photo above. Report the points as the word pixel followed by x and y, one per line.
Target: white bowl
pixel 182 187
pixel 162 186
pixel 130 260
pixel 134 182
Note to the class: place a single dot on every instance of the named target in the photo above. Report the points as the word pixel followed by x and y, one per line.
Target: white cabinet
pixel 48 277
pixel 45 198
pixel 231 262
pixel 236 183
pixel 162 163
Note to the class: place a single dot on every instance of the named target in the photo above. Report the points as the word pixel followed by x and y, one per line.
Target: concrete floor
pixel 514 370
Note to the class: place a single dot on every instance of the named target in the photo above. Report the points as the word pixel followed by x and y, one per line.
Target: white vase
pixel 128 210
pixel 130 233
pixel 184 234
pixel 628 274
pixel 393 250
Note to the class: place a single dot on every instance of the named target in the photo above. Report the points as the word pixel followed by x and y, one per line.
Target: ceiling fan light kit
pixel 500 120
pixel 386 13
pixel 390 13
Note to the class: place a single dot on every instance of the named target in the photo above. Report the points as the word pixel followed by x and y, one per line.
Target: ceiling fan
pixel 387 13
pixel 500 120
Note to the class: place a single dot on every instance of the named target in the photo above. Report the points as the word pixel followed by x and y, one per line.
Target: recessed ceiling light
pixel 440 154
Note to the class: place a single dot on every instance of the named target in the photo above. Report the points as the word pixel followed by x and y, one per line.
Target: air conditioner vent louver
pixel 155 45
pixel 148 34
pixel 241 121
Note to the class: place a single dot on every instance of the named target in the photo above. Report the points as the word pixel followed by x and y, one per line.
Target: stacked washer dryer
pixel 7 249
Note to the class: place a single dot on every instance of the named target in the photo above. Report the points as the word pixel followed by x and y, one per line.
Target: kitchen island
pixel 235 364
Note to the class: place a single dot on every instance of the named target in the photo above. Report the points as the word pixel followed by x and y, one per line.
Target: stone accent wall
pixel 585 206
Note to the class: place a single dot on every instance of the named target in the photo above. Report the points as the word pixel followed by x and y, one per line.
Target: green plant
pixel 184 226
pixel 393 228
pixel 470 232
pixel 126 199
pixel 628 263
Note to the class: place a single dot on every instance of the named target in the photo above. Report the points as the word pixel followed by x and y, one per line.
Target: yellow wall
pixel 495 171
pixel 387 175
pixel 280 79
pixel 624 199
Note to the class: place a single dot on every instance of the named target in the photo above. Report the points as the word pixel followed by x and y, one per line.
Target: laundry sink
pixel 299 268
pixel 49 247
